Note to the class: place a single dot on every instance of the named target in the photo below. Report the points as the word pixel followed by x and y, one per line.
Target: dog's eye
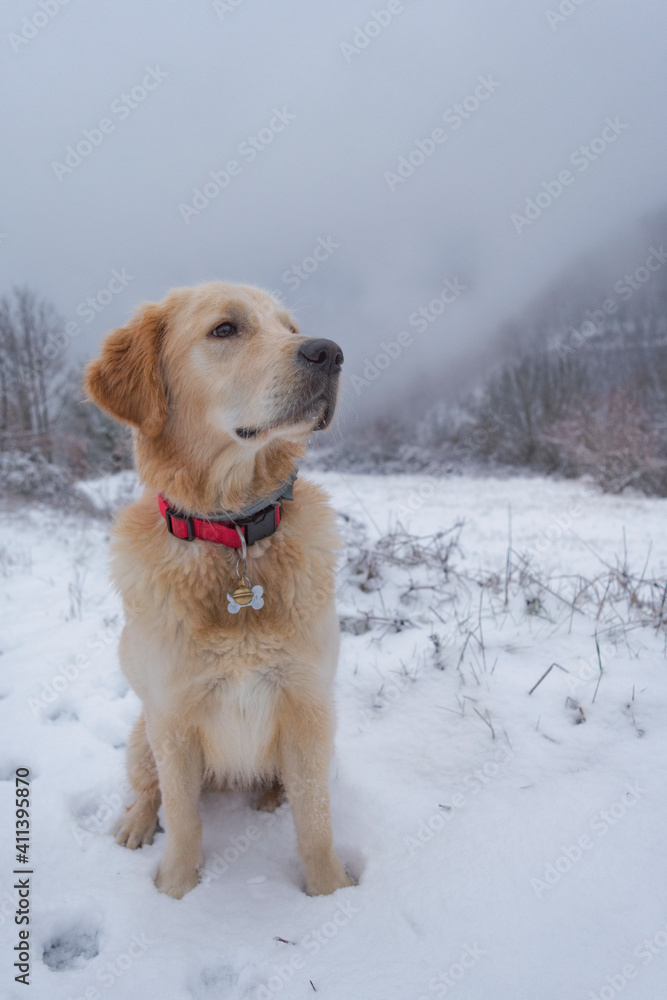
pixel 293 329
pixel 224 330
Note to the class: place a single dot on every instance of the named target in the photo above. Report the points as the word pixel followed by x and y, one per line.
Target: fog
pixel 329 131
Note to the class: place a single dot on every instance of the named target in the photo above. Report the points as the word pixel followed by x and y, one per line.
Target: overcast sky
pixel 315 116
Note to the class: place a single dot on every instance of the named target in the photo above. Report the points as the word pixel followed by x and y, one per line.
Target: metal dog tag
pixel 244 595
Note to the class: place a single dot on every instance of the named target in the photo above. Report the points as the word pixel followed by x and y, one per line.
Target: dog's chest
pixel 237 726
pixel 197 601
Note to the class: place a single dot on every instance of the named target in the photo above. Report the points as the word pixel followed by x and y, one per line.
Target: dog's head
pixel 228 356
pixel 217 370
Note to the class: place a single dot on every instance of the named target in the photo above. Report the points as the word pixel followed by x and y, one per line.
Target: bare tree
pixel 32 372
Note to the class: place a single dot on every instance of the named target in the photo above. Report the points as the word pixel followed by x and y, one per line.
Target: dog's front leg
pixel 179 765
pixel 305 742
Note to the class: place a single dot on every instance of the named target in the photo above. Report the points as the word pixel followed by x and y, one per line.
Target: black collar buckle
pixel 260 525
pixel 170 513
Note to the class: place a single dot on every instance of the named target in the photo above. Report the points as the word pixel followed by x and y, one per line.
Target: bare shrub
pixel 615 439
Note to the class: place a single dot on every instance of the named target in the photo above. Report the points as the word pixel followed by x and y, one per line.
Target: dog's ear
pixel 125 380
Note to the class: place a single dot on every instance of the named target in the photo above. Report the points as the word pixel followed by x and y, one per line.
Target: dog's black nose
pixel 326 354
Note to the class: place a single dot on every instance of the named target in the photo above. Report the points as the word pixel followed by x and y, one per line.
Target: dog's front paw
pixel 326 877
pixel 137 826
pixel 176 880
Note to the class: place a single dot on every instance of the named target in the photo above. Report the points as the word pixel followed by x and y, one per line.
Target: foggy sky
pixel 220 75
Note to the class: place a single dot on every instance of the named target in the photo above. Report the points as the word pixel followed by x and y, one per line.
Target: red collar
pixel 259 520
pixel 258 525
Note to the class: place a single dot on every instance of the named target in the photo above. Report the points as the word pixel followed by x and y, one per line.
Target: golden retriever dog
pixel 222 392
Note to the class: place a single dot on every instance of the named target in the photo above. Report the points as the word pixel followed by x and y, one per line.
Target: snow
pixel 507 845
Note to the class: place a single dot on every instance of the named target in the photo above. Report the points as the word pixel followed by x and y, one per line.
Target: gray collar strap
pixel 284 492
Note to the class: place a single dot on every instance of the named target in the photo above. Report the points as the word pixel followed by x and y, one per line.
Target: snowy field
pixel 508 845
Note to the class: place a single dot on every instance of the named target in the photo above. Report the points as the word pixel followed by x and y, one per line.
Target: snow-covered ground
pixel 508 845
